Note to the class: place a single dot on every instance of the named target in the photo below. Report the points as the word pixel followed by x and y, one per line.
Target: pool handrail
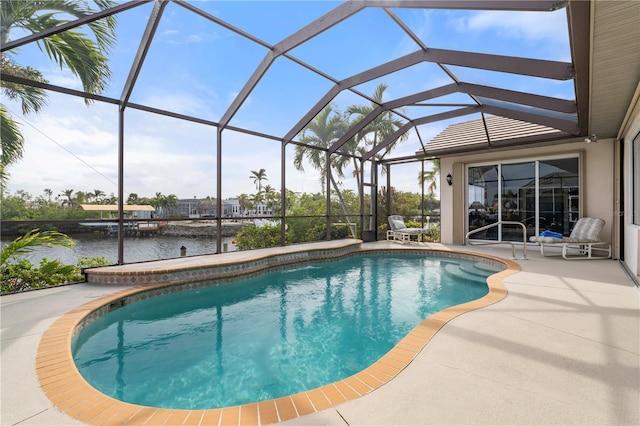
pixel 513 247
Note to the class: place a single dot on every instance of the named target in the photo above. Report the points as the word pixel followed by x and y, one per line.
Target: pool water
pixel 278 334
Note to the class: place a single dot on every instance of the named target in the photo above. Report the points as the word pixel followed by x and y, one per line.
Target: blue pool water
pixel 278 334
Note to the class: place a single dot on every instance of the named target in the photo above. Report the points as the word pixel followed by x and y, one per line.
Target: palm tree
pixel 271 197
pixel 171 200
pixel 84 55
pixel 243 201
pixel 133 198
pixel 325 129
pixel 82 197
pixel 322 132
pixel 381 127
pixel 32 239
pixel 97 195
pixel 256 200
pixel 432 176
pixel 32 98
pixel 69 194
pixel 49 193
pixel 258 177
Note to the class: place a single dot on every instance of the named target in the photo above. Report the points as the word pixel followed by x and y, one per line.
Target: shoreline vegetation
pixel 19 274
pixel 173 228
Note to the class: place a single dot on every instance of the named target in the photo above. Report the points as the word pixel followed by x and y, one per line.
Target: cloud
pixel 181 102
pixel 528 26
pixel 176 37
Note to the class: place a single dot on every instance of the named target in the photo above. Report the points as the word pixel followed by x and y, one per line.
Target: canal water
pixel 136 249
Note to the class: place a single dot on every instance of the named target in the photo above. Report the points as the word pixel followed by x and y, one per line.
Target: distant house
pixel 232 207
pixel 194 208
pixel 110 211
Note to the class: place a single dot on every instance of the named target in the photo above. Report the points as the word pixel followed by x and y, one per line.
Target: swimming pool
pixel 276 334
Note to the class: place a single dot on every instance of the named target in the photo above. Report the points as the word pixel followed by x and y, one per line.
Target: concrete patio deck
pixel 562 348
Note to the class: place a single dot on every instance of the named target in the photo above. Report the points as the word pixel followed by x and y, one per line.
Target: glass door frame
pixel 500 187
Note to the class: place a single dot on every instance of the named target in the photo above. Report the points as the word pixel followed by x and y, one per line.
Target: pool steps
pixel 476 272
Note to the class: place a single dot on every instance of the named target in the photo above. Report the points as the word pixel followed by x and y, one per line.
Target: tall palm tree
pixel 382 126
pixel 432 176
pixel 85 55
pixel 258 177
pixel 325 129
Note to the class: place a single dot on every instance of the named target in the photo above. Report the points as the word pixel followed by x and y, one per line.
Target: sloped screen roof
pixel 441 62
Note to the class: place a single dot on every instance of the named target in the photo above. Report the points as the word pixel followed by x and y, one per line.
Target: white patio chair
pixel 398 231
pixel 584 238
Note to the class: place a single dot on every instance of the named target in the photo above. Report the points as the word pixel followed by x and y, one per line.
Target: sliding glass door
pixel 559 195
pixel 482 201
pixel 517 202
pixel 541 194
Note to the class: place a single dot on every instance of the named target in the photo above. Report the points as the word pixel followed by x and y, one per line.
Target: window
pixel 541 194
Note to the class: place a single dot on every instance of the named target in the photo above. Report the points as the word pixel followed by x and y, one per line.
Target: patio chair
pixel 398 231
pixel 585 238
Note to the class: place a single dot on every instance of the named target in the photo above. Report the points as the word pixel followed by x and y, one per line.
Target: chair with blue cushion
pixel 584 238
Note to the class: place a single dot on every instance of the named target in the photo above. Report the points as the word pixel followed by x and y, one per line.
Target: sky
pixel 196 67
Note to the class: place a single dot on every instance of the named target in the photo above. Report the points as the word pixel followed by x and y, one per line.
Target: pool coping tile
pixel 73 395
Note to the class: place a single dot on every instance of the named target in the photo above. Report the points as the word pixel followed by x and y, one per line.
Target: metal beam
pixel 579 21
pixel 420 121
pixel 407 100
pixel 71 24
pixel 567 126
pixel 354 80
pixel 145 43
pixel 311 30
pixel 508 64
pixel 58 89
pixel 220 22
pixel 313 111
pixel 545 102
pixel 522 98
pixel 515 5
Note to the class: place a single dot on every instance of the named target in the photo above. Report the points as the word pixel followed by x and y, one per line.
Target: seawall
pixel 199 229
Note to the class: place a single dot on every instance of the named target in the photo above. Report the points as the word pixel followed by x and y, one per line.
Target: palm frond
pixel 32 239
pixel 12 139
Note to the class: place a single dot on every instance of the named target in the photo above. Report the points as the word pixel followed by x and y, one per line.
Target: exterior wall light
pixel 450 179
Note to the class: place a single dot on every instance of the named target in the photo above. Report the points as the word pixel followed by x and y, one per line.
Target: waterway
pixel 136 249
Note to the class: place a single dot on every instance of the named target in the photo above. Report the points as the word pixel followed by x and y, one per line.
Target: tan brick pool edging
pixel 72 395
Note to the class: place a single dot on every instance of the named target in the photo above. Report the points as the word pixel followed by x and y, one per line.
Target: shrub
pixel 319 232
pixel 22 275
pixel 18 274
pixel 258 237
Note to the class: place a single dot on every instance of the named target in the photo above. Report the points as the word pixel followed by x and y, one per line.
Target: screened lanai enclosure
pixel 302 120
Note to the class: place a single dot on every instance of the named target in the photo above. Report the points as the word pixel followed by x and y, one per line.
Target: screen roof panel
pixel 360 42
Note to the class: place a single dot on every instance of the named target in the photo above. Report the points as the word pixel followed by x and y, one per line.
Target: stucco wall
pixel 598 199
